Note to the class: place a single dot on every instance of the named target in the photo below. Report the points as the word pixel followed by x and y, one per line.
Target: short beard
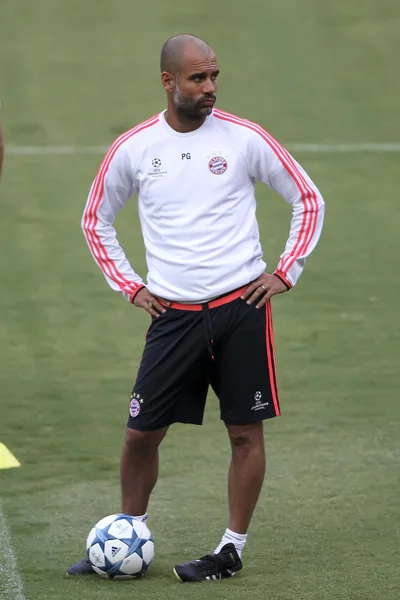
pixel 188 109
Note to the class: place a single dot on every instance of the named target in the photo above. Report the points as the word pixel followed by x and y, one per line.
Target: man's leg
pixel 246 476
pixel 171 386
pixel 246 473
pixel 246 386
pixel 139 472
pixel 139 468
pixel 244 379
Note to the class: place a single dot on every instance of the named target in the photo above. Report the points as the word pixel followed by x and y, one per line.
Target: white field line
pixel 11 587
pixel 46 150
pixel 316 148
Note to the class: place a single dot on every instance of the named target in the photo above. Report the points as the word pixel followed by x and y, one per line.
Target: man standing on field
pixel 194 168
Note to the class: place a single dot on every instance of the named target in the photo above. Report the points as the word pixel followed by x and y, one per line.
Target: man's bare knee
pixel 143 441
pixel 244 437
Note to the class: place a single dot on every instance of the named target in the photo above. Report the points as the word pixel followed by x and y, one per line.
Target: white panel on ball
pixel 96 556
pixel 142 531
pixel 100 572
pixel 148 552
pixel 121 529
pixel 115 550
pixel 106 521
pixel 90 538
pixel 132 564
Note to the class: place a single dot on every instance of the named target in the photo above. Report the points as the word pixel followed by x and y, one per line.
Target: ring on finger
pixel 263 287
pixel 150 304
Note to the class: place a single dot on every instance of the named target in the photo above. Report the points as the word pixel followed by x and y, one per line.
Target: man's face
pixel 196 85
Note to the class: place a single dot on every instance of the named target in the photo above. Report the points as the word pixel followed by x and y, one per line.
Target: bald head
pixel 189 71
pixel 175 48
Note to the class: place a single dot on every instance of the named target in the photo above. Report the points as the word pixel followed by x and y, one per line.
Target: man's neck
pixel 180 125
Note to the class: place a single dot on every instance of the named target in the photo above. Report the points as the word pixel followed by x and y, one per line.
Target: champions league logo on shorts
pixel 134 405
pixel 259 405
pixel 218 165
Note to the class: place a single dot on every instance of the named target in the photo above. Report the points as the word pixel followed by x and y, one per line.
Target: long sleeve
pixel 111 189
pixel 270 163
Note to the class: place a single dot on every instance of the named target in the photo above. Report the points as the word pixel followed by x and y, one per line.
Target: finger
pixel 263 301
pixel 140 303
pixel 165 302
pixel 147 304
pixel 157 305
pixel 267 296
pixel 260 291
pixel 151 310
pixel 253 286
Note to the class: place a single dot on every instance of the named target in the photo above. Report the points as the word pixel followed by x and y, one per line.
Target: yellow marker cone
pixel 7 458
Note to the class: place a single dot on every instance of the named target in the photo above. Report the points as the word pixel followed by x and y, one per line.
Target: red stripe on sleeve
pixel 90 218
pixel 308 195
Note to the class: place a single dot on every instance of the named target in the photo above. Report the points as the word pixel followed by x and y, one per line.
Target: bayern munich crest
pixel 134 405
pixel 134 408
pixel 218 165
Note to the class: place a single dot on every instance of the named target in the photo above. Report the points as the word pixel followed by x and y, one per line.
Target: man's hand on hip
pixel 150 303
pixel 262 289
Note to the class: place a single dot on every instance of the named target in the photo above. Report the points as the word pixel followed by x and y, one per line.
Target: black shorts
pixel 224 343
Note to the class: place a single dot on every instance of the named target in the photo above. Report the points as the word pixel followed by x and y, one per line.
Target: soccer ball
pixel 120 547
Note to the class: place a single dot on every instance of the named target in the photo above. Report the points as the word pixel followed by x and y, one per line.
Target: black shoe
pixel 216 566
pixel 82 567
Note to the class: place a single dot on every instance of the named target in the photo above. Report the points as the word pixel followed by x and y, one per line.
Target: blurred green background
pixel 80 73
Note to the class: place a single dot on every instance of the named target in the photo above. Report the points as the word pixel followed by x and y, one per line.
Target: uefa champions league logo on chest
pixel 156 169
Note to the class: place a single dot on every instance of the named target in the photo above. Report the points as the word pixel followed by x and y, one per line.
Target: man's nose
pixel 209 87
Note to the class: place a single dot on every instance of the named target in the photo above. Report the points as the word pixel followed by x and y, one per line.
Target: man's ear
pixel 168 81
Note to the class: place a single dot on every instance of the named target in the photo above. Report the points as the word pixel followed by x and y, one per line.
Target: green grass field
pixel 327 525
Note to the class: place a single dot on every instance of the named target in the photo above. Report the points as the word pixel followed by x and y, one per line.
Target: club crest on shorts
pixel 134 405
pixel 217 165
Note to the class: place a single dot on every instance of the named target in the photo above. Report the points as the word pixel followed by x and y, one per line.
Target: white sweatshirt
pixel 197 207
